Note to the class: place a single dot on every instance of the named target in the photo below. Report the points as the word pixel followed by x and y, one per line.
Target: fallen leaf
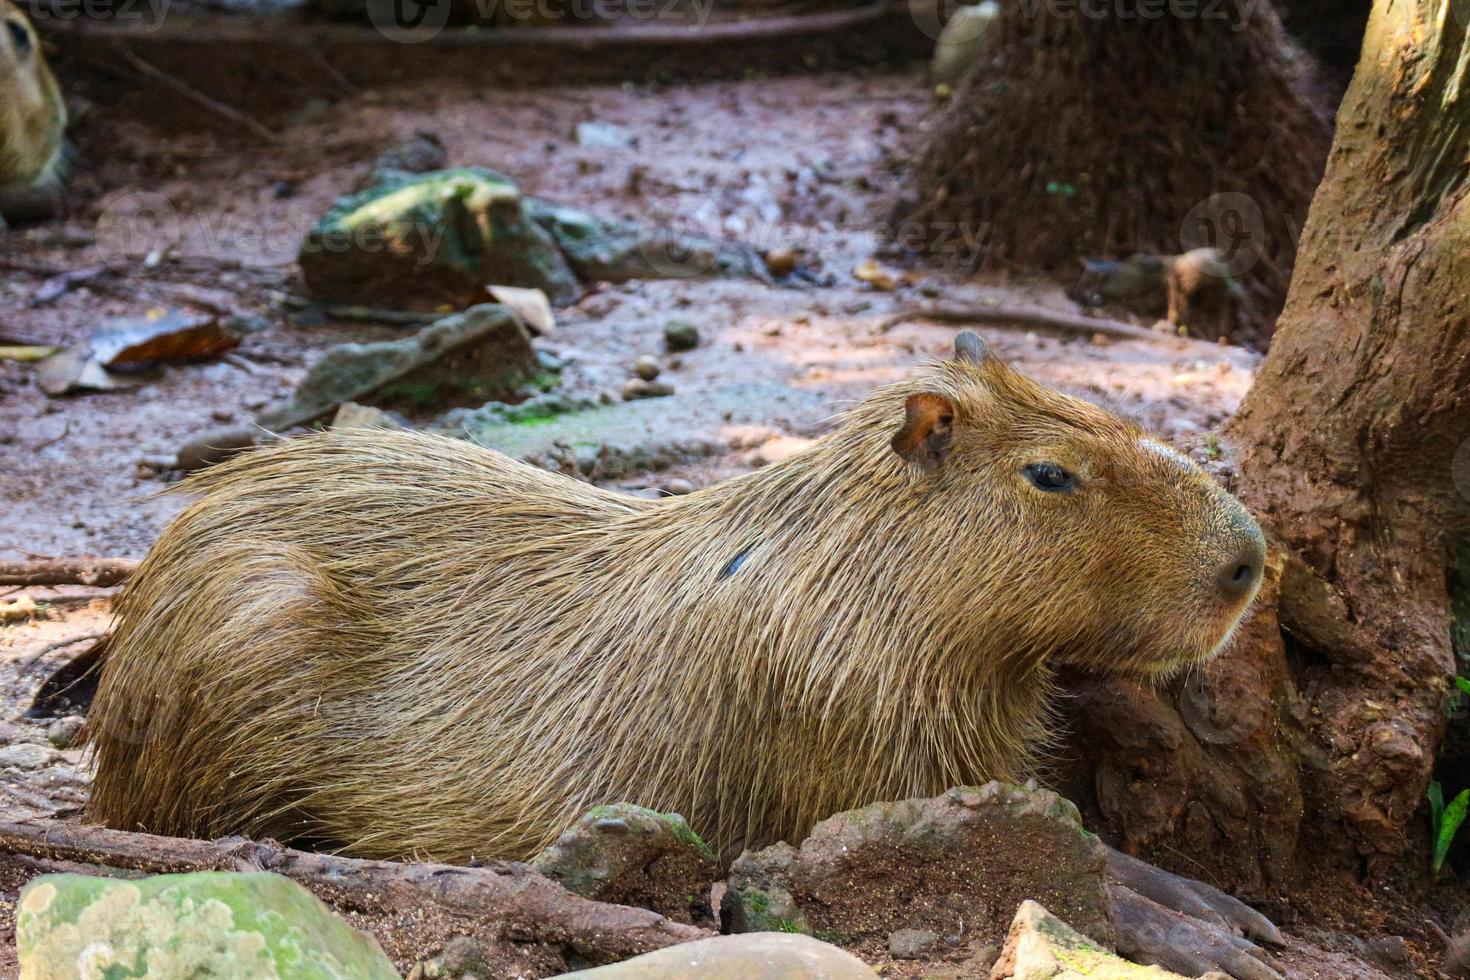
pixel 28 352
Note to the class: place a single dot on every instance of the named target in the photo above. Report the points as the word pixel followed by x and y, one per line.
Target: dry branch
pixel 1031 316
pixel 67 571
pixel 519 903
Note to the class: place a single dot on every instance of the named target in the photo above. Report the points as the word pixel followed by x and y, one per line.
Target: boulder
pixel 609 250
pixel 756 956
pixel 222 925
pixel 1040 946
pixel 629 855
pixel 430 242
pixel 470 358
pixel 956 865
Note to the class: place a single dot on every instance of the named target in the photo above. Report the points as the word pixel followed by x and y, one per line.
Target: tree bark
pixel 1319 729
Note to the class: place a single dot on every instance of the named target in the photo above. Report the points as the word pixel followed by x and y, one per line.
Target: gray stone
pixel 680 335
pixel 756 956
pixel 1040 946
pixel 912 944
pixel 639 388
pixel 469 358
pixel 607 442
pixel 599 135
pixel 609 250
pixel 956 865
pixel 629 855
pixel 63 732
pixel 647 368
pixel 432 241
pixel 221 925
pixel 26 755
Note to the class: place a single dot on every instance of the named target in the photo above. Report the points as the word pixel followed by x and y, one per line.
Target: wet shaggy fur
pixel 32 112
pixel 400 644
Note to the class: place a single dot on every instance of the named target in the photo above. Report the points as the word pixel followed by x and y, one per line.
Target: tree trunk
pixel 1100 129
pixel 1353 452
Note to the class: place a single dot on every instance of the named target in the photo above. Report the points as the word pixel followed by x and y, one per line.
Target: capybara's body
pixel 32 112
pixel 402 644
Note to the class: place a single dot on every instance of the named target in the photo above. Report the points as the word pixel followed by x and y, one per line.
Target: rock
pixel 26 755
pixel 216 446
pixel 608 250
pixel 781 261
pixel 628 855
pixel 963 41
pixel 531 305
pixel 470 358
pixel 351 415
pixel 679 488
pixel 757 956
pixel 598 135
pixel 680 335
pixel 612 441
pixel 646 368
pixel 638 388
pixel 912 944
pixel 430 242
pixel 421 153
pixel 227 926
pixel 956 865
pixel 1041 946
pixel 63 732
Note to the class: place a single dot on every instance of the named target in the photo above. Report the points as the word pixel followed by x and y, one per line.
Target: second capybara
pixel 1194 290
pixel 401 644
pixel 32 111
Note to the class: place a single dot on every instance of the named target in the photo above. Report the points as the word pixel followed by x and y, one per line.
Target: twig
pixel 515 901
pixel 65 431
pixel 366 314
pixel 1030 316
pixel 189 92
pixel 67 571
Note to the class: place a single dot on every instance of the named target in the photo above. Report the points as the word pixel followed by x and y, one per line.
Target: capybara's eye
pixel 19 36
pixel 1049 477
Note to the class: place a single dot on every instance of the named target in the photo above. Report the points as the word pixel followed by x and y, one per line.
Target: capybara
pixel 32 112
pixel 400 644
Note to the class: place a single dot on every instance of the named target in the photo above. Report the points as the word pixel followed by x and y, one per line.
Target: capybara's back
pixel 32 113
pixel 400 644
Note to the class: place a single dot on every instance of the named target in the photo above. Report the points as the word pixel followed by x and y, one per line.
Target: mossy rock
pixel 222 925
pixel 630 855
pixel 432 241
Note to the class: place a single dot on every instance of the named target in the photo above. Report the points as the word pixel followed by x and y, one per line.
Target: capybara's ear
pixel 927 427
pixel 969 347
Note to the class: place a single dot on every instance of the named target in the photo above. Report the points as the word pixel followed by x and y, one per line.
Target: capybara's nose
pixel 1241 573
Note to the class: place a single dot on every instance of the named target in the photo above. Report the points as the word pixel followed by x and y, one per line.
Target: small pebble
pixel 679 487
pixel 680 335
pixel 911 944
pixel 63 731
pixel 638 388
pixel 781 261
pixel 646 368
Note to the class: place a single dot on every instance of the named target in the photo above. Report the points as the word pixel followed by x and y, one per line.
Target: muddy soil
pixel 809 162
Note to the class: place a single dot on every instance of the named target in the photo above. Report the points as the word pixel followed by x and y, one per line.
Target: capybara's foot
pixel 1186 926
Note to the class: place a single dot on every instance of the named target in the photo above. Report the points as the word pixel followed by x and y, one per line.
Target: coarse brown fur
pixel 401 644
pixel 32 112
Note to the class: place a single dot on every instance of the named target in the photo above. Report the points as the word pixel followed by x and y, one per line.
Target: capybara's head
pixel 1076 534
pixel 32 112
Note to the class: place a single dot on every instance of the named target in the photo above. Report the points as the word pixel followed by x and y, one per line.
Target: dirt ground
pixel 809 161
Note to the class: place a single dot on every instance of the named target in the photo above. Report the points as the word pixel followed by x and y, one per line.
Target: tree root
pixel 514 900
pixel 67 571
